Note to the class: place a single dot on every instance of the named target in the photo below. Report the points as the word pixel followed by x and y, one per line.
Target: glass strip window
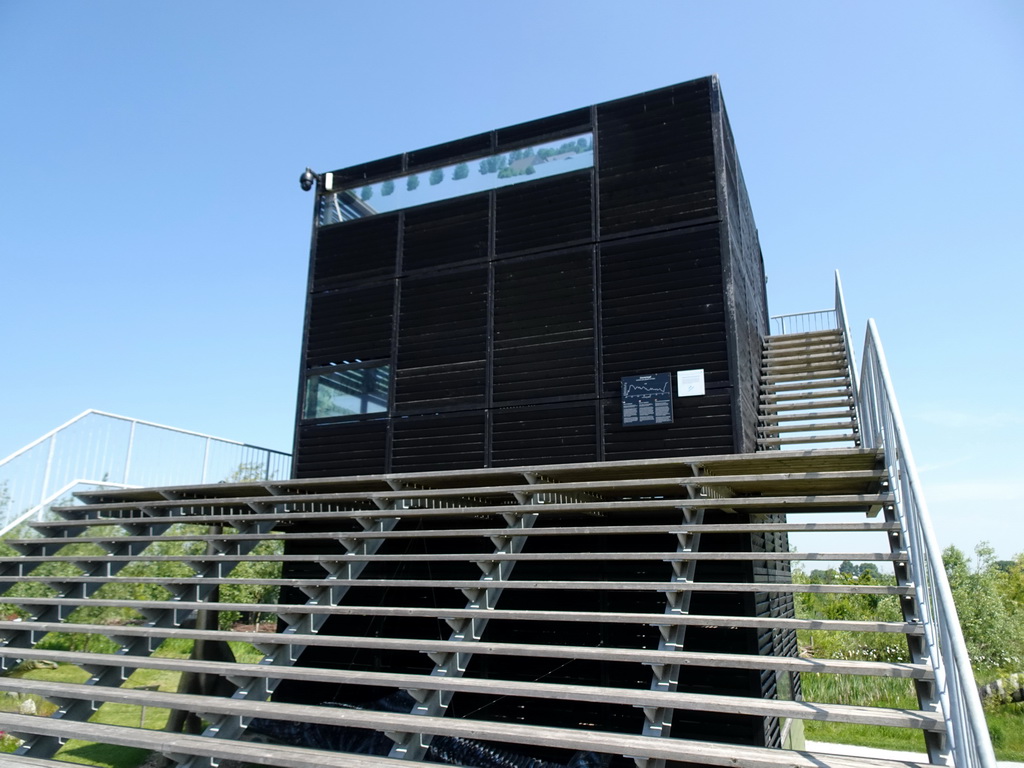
pixel 466 178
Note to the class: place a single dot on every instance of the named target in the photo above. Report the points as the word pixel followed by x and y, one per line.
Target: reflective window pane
pixel 347 391
pixel 466 178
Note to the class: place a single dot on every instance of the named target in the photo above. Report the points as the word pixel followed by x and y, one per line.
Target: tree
pixel 995 639
pixel 387 188
pixel 366 193
pixel 461 171
pixel 247 471
pixel 412 182
pixel 436 176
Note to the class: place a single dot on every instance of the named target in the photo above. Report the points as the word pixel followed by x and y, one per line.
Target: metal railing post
pixel 49 468
pixel 957 692
pixel 95 450
pixel 128 453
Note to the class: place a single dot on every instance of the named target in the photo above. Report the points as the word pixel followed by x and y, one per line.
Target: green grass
pixel 1005 723
pixel 153 718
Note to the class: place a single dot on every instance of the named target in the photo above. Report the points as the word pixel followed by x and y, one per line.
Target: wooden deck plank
pixel 843 713
pixel 472 584
pixel 650 619
pixel 676 750
pixel 669 528
pixel 605 653
pixel 665 556
pixel 556 472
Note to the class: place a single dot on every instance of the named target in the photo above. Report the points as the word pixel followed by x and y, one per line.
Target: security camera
pixel 307 180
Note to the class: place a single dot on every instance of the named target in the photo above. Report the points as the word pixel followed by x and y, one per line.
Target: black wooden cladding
pixel 544 327
pixel 564 432
pixel 657 159
pixel 447 233
pixel 346 448
pixel 423 443
pixel 345 326
pixel 366 249
pixel 442 341
pixel 509 317
pixel 564 124
pixel 542 214
pixel 662 307
pixel 745 296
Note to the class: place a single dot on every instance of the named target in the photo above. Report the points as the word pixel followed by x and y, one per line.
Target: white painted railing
pixel 97 449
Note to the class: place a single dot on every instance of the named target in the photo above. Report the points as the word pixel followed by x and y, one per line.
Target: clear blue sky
pixel 154 238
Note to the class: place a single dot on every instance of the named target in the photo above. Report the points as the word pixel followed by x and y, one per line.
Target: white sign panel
pixel 690 383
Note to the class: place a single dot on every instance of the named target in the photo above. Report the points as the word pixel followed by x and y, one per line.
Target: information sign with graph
pixel 647 400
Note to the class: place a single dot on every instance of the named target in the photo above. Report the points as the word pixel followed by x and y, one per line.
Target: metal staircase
pixel 807 392
pixel 583 615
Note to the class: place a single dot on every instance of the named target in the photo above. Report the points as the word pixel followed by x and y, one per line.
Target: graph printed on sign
pixel 647 399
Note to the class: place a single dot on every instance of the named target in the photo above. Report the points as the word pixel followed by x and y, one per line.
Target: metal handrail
pixel 57 495
pixel 802 322
pixel 844 325
pixel 104 449
pixel 882 426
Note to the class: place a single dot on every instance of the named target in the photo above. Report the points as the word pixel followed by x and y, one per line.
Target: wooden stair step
pixel 843 713
pixel 843 413
pixel 829 384
pixel 448 557
pixel 670 528
pixel 796 338
pixel 779 404
pixel 798 364
pixel 839 375
pixel 771 356
pixel 25 761
pixel 660 486
pixel 792 394
pixel 626 506
pixel 801 439
pixel 476 584
pixel 675 750
pixel 797 347
pixel 598 617
pixel 816 427
pixel 634 655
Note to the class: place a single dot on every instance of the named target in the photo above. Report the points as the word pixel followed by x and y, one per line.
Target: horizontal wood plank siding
pixel 438 442
pixel 541 214
pixel 349 325
pixel 657 159
pixel 544 327
pixel 446 233
pixel 358 250
pixel 662 307
pixel 517 311
pixel 442 341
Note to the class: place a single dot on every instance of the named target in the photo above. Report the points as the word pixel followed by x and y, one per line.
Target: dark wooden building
pixel 479 303
pixel 587 287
